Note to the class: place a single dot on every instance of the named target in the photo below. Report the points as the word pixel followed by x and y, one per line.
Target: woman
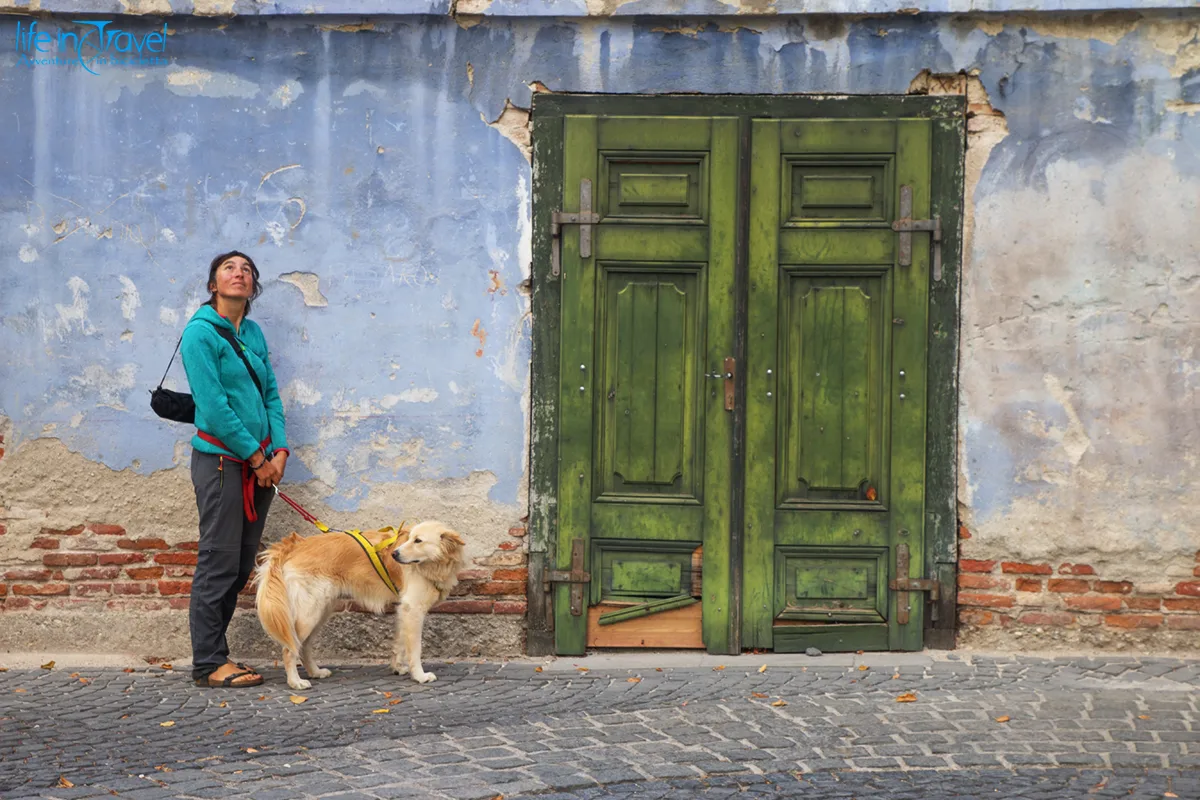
pixel 239 453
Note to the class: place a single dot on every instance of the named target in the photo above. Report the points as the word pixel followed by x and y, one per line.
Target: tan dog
pixel 299 581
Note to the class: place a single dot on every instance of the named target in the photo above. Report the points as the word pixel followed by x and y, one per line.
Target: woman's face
pixel 234 279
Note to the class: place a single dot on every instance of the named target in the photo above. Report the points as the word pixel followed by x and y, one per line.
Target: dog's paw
pixel 424 677
pixel 399 669
pixel 300 684
pixel 319 673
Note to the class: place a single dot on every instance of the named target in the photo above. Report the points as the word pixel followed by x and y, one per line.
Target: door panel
pixel 644 437
pixel 835 383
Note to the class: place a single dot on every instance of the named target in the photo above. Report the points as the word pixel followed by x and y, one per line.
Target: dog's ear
pixel 453 537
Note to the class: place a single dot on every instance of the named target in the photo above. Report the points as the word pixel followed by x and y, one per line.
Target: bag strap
pixel 228 336
pixel 169 363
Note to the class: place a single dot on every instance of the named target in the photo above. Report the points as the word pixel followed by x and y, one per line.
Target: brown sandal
pixel 231 681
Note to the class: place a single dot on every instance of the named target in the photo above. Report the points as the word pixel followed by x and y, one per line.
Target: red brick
pixel 1143 603
pixel 133 588
pixel 1029 585
pixel 144 543
pixel 971 565
pixel 100 573
pixel 988 600
pixel 517 531
pixel 181 603
pixel 188 546
pixel 974 616
pixel 70 559
pixel 144 573
pixel 3 528
pixel 1189 588
pixel 17 603
pixel 463 607
pixel 102 529
pixel 1114 587
pixel 510 607
pixel 1067 586
pixel 41 590
pixel 89 589
pixel 44 543
pixel 1076 569
pixel 1134 620
pixel 187 572
pixel 509 545
pixel 121 558
pixel 974 581
pixel 474 574
pixel 27 575
pixel 521 575
pixel 1017 568
pixel 78 529
pixel 502 560
pixel 188 559
pixel 1058 620
pixel 1181 603
pixel 500 587
pixel 3 590
pixel 1094 603
pixel 963 533
pixel 174 587
pixel 1184 623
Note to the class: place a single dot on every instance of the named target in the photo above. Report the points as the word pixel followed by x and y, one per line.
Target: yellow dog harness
pixel 372 550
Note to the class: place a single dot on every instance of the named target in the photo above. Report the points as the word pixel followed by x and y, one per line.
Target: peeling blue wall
pixel 363 157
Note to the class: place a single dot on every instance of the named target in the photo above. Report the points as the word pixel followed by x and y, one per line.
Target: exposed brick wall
pixel 115 569
pixel 1015 594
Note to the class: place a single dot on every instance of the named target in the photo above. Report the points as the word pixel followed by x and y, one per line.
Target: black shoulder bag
pixel 179 406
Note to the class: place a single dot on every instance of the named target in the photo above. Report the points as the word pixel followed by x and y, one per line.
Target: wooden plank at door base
pixel 676 629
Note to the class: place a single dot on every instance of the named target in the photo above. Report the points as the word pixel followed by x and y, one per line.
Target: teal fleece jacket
pixel 228 405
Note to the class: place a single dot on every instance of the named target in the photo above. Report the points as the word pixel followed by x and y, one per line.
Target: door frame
pixel 941 465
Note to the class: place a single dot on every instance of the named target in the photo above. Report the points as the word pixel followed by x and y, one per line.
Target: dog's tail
pixel 274 606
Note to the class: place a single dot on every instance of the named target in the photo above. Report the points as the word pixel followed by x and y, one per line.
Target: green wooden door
pixel 646 319
pixel 836 376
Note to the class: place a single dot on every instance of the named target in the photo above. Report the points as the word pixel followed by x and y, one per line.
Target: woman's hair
pixel 212 277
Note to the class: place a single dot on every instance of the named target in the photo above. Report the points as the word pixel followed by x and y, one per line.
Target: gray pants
pixel 228 547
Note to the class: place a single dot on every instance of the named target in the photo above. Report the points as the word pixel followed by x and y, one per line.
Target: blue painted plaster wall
pixel 363 157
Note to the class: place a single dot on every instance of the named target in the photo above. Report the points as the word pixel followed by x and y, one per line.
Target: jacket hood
pixel 207 312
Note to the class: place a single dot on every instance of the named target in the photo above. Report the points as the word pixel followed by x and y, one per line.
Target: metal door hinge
pixel 584 218
pixel 906 225
pixel 576 577
pixel 902 585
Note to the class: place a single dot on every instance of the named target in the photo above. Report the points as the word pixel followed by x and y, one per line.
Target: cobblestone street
pixel 696 726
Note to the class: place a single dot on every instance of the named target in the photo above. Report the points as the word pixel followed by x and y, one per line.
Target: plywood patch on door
pixel 675 629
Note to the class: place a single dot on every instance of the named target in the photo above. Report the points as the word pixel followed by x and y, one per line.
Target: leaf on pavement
pixel 382 711
pixel 48 665
pixel 63 783
pixel 397 700
pixel 537 669
pixel 779 703
pixel 759 695
pixel 128 669
pixel 633 680
pixel 262 697
pixel 718 668
pixel 226 733
pixel 168 724
pixel 1003 719
pixel 658 669
pixel 1143 716
pixel 250 749
pixel 763 668
pixel 298 699
pixel 387 694
pixel 222 704
pixel 582 669
pixel 907 697
pixel 167 666
pixel 863 668
pixel 1170 794
pixel 20 691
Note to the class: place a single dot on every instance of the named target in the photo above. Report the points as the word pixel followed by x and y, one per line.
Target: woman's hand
pixel 268 473
pixel 280 460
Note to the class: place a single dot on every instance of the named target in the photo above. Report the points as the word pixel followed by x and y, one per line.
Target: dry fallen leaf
pixel 167 666
pixel 20 691
pixel 128 669
pixel 85 681
pixel 1003 719
pixel 907 697
pixel 718 668
pixel 3 669
pixel 1143 716
pixel 863 668
pixel 48 665
pixel 633 680
pixel 763 668
pixel 537 669
pixel 397 700
pixel 582 669
pixel 298 699
pixel 250 749
pixel 167 724
pixel 382 711
pixel 262 697
pixel 73 675
pixel 897 675
pixel 387 694
pixel 658 669
pixel 779 703
pixel 124 716
pixel 63 783
pixel 222 704
pixel 1170 794
pixel 759 695
pixel 226 733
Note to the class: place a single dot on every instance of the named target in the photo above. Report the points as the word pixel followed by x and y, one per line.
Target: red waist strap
pixel 248 481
